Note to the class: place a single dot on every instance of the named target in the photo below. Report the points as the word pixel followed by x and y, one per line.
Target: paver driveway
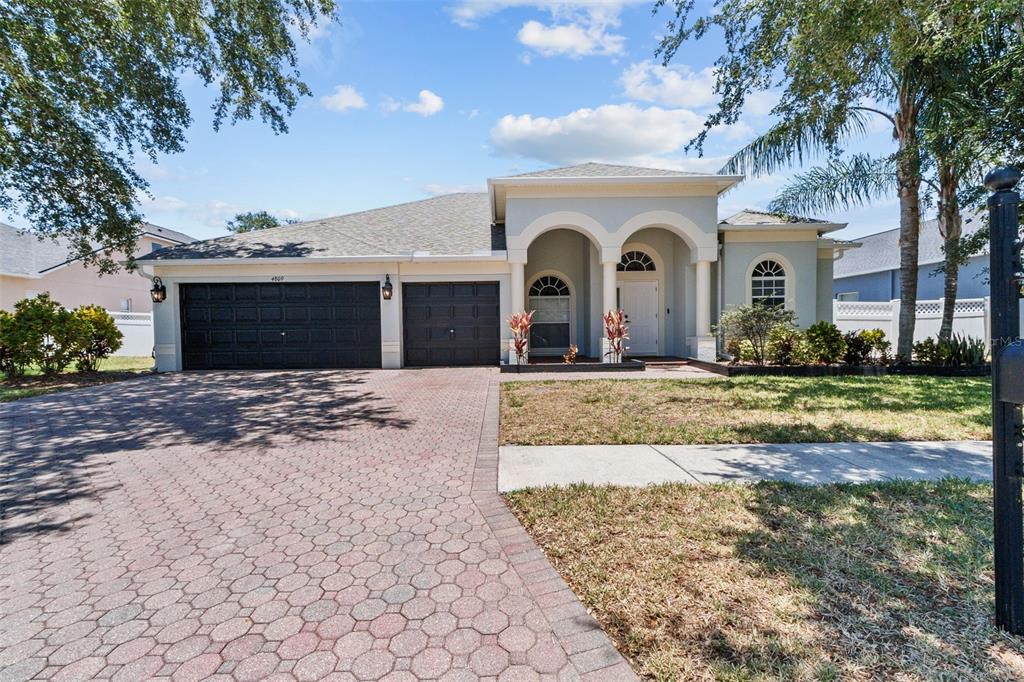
pixel 293 524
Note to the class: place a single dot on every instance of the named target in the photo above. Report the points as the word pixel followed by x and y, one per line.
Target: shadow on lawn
pixel 898 577
pixel 51 445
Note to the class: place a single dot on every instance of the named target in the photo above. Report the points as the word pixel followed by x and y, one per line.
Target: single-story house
pixel 433 282
pixel 872 272
pixel 30 266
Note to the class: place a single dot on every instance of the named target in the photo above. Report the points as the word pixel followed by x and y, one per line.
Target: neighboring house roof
pixel 880 252
pixel 603 170
pixel 447 225
pixel 25 254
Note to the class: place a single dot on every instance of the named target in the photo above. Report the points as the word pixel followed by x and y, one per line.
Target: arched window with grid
pixel 768 283
pixel 636 261
pixel 550 297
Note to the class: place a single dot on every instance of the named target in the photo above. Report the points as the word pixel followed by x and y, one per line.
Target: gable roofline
pixel 602 174
pixel 149 230
pixel 750 220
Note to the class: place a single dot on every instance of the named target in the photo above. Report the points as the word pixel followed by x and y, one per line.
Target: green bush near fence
pixel 44 334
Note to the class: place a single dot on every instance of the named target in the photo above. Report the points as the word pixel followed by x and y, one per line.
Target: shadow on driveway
pixel 51 444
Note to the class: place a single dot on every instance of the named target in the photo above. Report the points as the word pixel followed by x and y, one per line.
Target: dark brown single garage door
pixel 451 323
pixel 280 326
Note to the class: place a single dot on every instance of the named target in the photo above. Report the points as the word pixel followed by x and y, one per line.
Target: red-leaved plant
pixel 616 331
pixel 520 324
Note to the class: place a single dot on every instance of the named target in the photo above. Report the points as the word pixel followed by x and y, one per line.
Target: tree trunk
pixel 951 227
pixel 908 179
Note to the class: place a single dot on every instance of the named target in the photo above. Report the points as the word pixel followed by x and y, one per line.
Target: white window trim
pixel 748 281
pixel 572 308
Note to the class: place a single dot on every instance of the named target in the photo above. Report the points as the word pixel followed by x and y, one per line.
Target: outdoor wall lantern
pixel 387 290
pixel 159 292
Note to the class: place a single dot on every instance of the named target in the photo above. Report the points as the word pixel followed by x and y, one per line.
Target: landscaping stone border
pixel 840 370
pixel 627 366
pixel 590 651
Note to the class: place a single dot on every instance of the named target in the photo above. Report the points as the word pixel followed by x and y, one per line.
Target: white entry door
pixel 639 300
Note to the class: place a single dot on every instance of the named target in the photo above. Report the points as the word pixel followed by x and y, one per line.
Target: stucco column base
pixel 703 348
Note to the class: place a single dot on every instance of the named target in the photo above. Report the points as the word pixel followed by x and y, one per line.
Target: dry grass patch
pixel 111 369
pixel 745 410
pixel 782 582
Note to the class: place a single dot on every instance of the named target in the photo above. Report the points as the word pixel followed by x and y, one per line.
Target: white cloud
pixel 345 97
pixel 613 132
pixel 577 39
pixel 678 86
pixel 428 104
pixel 577 28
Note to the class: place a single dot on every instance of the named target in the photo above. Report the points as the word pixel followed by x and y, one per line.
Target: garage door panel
pixel 451 323
pixel 293 325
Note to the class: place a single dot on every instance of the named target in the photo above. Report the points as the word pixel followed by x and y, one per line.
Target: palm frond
pixel 792 141
pixel 853 181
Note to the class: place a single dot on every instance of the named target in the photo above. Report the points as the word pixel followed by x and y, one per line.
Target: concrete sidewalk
pixel 637 465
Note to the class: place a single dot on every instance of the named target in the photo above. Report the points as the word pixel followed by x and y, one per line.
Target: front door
pixel 639 300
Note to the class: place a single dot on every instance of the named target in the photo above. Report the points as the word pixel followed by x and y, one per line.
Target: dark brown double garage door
pixel 299 325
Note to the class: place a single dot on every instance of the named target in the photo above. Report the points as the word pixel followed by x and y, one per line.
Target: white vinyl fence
pixel 137 329
pixel 970 317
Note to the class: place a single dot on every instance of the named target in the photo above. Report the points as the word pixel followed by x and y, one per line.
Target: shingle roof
pixel 603 170
pixel 750 216
pixel 881 251
pixel 450 225
pixel 24 253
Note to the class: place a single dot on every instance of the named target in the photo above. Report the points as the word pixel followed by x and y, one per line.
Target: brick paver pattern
pixel 286 525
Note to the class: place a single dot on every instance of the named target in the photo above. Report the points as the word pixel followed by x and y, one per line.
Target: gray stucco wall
pixel 824 289
pixel 802 255
pixel 885 285
pixel 611 212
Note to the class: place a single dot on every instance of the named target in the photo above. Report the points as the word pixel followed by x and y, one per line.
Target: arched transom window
pixel 636 261
pixel 768 283
pixel 549 298
pixel 549 286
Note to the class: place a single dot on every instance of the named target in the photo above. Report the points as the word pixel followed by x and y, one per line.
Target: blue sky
pixel 413 99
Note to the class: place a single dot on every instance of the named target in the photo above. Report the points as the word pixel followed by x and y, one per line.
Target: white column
pixel 608 301
pixel 703 291
pixel 518 286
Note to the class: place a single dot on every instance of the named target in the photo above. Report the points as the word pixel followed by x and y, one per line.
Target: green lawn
pixel 34 383
pixel 745 410
pixel 783 582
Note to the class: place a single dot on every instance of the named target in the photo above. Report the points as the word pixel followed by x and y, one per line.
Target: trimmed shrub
pixel 52 332
pixel 101 337
pixel 880 346
pixel 858 349
pixel 15 349
pixel 786 346
pixel 825 343
pixel 959 351
pixel 753 324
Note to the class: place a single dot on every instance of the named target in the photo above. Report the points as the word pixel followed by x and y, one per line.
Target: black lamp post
pixel 387 290
pixel 159 292
pixel 1007 394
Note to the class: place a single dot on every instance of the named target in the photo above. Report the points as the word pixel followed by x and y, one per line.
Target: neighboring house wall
pixel 798 253
pixel 885 285
pixel 75 284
